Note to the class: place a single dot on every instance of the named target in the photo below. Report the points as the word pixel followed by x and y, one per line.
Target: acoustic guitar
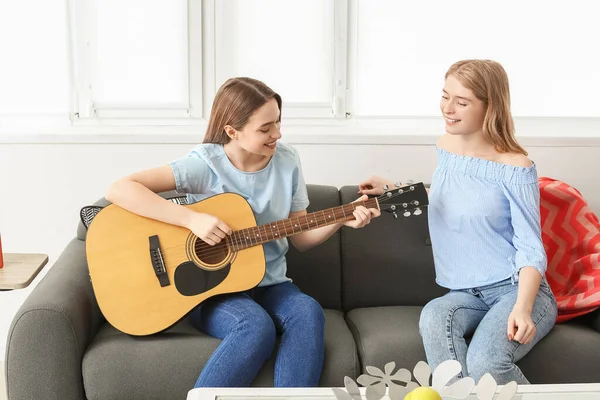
pixel 147 274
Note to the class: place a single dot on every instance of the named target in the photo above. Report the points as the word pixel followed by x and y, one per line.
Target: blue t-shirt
pixel 272 192
pixel 484 221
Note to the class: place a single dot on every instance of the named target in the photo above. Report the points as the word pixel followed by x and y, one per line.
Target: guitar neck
pixel 260 234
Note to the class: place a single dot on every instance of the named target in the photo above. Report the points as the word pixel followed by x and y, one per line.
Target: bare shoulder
pixel 515 159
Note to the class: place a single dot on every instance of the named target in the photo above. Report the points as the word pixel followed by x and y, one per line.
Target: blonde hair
pixel 489 83
pixel 236 100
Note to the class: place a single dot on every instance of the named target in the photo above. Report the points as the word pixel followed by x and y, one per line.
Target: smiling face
pixel 260 134
pixel 463 112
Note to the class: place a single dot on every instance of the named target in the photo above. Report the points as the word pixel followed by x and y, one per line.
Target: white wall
pixel 43 186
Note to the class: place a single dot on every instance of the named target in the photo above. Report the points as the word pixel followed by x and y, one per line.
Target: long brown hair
pixel 489 83
pixel 234 103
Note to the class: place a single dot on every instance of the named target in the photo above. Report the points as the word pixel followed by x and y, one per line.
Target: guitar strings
pixel 203 249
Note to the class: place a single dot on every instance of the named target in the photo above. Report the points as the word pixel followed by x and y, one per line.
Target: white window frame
pixel 203 41
pixel 335 108
pixel 530 129
pixel 82 39
pixel 303 123
pixel 352 50
pixel 341 63
pixel 38 120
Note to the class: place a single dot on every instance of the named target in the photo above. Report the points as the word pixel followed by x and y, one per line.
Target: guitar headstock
pixel 404 198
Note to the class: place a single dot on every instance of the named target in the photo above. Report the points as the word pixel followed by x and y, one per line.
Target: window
pixel 34 64
pixel 141 53
pixel 403 50
pixel 287 44
pixel 133 58
pixel 161 59
pixel 335 62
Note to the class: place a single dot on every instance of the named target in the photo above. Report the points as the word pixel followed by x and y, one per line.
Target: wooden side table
pixel 20 269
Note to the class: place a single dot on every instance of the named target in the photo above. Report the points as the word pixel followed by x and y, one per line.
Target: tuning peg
pixel 395 215
pixel 398 184
pixel 385 187
pixel 406 213
pixel 404 205
pixel 409 182
pixel 417 211
pixel 393 207
pixel 414 203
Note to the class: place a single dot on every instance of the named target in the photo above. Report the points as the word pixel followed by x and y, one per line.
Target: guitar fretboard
pixel 260 234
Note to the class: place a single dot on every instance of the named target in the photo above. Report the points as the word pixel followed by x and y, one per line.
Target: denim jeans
pixel 247 324
pixel 482 314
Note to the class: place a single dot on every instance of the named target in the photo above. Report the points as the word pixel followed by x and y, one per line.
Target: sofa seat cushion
pixel 166 365
pixel 385 334
pixel 341 358
pixel 568 354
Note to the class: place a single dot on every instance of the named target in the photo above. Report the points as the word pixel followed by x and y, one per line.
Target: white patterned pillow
pixel 87 213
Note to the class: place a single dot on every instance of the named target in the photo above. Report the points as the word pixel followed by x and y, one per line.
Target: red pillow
pixel 571 236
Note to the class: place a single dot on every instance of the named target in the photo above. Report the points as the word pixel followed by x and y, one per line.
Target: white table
pixel 526 392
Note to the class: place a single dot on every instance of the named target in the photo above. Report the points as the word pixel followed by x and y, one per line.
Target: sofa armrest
pixel 50 332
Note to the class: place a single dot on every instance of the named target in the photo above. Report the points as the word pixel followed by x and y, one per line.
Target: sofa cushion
pixel 388 262
pixel 341 358
pixel 168 364
pixel 570 353
pixel 385 334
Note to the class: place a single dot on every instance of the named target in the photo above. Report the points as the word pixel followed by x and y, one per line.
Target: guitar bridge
pixel 158 263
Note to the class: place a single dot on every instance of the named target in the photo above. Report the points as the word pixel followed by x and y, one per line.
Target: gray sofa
pixel 371 282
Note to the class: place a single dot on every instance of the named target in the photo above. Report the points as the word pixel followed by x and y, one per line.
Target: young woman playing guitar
pixel 241 153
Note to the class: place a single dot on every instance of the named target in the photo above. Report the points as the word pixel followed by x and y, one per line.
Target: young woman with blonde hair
pixel 484 221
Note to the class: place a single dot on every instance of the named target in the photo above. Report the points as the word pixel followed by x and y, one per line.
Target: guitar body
pixel 124 272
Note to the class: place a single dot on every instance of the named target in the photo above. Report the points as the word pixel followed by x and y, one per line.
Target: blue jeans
pixel 483 314
pixel 247 324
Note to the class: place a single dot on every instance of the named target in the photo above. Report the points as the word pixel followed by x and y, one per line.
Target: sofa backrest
pixel 318 271
pixel 388 262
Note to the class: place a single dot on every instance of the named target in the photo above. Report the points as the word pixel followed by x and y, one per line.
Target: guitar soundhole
pixel 211 255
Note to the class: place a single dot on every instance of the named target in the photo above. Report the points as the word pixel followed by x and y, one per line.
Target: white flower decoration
pixel 378 380
pixel 376 384
pixel 486 388
pixel 441 376
pixel 401 386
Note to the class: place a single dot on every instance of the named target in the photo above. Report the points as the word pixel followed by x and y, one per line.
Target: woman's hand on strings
pixel 208 228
